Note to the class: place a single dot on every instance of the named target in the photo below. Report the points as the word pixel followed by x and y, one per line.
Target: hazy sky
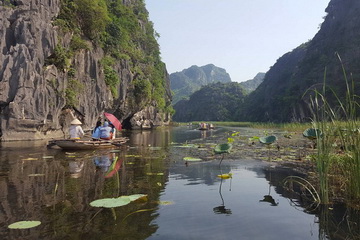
pixel 242 36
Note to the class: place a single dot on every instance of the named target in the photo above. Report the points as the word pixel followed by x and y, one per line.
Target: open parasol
pixel 114 121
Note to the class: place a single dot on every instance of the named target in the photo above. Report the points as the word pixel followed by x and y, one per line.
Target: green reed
pixel 339 140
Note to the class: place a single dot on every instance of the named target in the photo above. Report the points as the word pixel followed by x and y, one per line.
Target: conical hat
pixel 76 122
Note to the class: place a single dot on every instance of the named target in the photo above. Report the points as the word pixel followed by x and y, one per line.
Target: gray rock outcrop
pixel 33 93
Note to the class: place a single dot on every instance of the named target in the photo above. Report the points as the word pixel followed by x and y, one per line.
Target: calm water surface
pixel 184 201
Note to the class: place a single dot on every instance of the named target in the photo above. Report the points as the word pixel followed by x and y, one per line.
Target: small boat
pixel 203 126
pixel 75 144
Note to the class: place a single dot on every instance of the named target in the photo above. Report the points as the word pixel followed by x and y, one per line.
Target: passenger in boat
pixel 96 131
pixel 75 130
pixel 113 131
pixel 105 131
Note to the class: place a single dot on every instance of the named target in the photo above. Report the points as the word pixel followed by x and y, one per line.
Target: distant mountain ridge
pixel 252 84
pixel 189 80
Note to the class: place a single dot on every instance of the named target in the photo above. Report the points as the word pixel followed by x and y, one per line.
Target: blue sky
pixel 242 36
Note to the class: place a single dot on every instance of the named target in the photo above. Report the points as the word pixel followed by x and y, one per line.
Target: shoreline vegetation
pixel 333 161
pixel 330 163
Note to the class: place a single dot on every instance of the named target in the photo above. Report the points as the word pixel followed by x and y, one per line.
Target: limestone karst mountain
pixel 61 59
pixel 189 80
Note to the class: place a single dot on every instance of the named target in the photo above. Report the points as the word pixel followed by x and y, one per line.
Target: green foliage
pixel 60 58
pixel 142 91
pixel 73 91
pixel 215 102
pixel 77 43
pixel 111 79
pixel 337 137
pixel 93 17
pixel 124 32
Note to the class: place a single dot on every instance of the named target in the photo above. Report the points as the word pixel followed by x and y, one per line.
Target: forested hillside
pixel 280 97
pixel 214 102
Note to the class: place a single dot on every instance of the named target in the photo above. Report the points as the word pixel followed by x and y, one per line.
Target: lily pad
pixel 187 146
pixel 136 197
pixel 24 224
pixel 223 148
pixel 115 151
pixel 164 203
pixel 268 139
pixel 30 159
pixel 155 174
pixel 225 175
pixel 111 202
pixel 36 175
pixel 312 133
pixel 154 148
pixel 192 159
pixel 118 202
pixel 134 156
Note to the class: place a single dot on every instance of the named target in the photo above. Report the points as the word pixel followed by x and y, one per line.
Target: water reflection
pixel 222 209
pixel 75 168
pixel 268 198
pixel 37 184
pixel 104 162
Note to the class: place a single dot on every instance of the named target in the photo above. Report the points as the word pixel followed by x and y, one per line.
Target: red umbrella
pixel 114 121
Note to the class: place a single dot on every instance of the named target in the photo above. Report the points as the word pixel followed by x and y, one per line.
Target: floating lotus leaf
pixel 223 148
pixel 187 146
pixel 225 175
pixel 155 174
pixel 165 202
pixel 155 148
pixel 134 156
pixel 268 139
pixel 36 175
pixel 115 151
pixel 192 159
pixel 30 159
pixel 117 202
pixel 111 202
pixel 312 133
pixel 135 197
pixel 24 224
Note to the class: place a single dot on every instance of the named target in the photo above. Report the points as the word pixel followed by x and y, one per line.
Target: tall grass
pixel 338 151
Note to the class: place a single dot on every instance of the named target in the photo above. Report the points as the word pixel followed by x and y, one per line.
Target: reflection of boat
pixel 203 126
pixel 74 144
pixel 206 126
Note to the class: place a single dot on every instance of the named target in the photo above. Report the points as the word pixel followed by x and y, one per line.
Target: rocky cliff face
pixel 33 93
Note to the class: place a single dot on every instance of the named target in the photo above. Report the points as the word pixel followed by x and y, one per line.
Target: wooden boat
pixel 74 144
pixel 203 126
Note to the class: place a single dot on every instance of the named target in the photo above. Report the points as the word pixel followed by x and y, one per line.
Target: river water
pixel 184 201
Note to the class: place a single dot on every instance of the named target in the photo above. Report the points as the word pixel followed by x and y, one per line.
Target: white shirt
pixel 76 132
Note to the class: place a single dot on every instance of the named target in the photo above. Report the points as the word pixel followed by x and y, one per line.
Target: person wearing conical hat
pixel 76 131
